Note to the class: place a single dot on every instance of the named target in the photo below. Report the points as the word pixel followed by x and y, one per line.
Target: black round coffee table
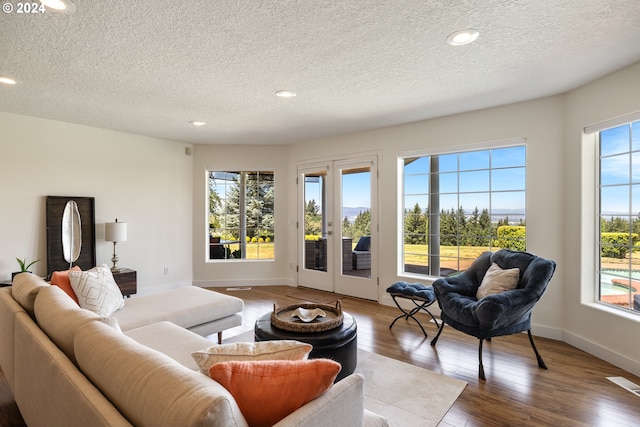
pixel 339 344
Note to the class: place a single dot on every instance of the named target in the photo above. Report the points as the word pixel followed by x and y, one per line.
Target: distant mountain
pixel 352 213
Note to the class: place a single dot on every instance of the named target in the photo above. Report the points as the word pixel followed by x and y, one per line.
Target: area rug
pixel 315 296
pixel 407 395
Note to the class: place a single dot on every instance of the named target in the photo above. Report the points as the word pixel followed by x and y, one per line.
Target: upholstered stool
pixel 420 295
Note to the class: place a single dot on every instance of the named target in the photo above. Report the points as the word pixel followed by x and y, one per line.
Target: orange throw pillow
pixel 61 280
pixel 268 390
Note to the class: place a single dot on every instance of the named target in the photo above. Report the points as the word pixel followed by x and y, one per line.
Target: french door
pixel 338 226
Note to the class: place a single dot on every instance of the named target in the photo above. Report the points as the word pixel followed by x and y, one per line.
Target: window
pixel 458 205
pixel 241 222
pixel 619 216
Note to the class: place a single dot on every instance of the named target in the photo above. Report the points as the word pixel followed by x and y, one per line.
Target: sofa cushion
pixel 497 280
pixel 172 340
pixel 97 290
pixel 61 280
pixel 59 317
pixel 187 307
pixel 247 351
pixel 269 390
pixel 24 289
pixel 148 387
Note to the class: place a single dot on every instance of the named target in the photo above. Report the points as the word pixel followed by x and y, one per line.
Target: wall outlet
pixel 166 271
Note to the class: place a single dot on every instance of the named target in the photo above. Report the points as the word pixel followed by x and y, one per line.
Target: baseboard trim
pixel 225 283
pixel 547 332
pixel 603 353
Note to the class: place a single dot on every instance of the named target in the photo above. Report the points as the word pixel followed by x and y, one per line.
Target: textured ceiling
pixel 149 67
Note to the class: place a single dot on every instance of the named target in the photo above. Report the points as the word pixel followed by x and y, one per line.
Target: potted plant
pixel 24 266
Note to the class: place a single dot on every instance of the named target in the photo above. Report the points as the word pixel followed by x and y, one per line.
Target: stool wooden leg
pixel 220 337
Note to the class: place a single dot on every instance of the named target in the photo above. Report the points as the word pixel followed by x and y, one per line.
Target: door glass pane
pixel 315 221
pixel 356 221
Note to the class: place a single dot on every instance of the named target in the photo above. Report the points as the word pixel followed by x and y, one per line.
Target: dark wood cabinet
pixel 127 281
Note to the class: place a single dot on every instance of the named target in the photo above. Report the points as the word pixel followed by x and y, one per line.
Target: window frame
pixel 454 150
pixel 597 130
pixel 230 246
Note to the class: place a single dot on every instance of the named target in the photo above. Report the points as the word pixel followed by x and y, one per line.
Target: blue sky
pixel 484 178
pixel 356 190
pixel 620 169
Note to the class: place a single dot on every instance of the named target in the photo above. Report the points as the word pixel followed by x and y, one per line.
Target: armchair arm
pixel 505 309
pixel 461 285
pixel 537 276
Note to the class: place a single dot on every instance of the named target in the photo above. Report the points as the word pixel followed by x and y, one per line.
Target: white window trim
pixel 589 293
pixel 501 143
pixel 401 156
pixel 611 123
pixel 209 169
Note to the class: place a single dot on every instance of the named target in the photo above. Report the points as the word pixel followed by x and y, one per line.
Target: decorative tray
pixel 307 317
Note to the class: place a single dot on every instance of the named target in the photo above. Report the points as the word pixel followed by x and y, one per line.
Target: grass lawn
pixel 449 255
pixel 259 250
pixel 414 254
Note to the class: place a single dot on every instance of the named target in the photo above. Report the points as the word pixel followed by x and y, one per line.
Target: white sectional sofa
pixel 67 366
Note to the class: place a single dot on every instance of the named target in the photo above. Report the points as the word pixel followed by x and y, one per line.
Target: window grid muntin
pixel 408 210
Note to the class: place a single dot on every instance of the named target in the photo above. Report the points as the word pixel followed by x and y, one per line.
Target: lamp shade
pixel 115 231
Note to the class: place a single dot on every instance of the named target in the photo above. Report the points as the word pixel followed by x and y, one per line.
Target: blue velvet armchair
pixel 504 313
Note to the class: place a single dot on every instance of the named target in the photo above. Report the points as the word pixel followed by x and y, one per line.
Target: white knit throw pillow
pixel 97 290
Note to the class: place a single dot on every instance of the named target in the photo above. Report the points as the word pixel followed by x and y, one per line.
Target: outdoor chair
pixel 484 314
pixel 362 254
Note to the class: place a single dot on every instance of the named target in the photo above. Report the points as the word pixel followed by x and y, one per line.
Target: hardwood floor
pixel 572 392
pixel 9 413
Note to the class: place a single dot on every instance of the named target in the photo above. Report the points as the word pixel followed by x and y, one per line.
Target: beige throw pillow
pixel 497 280
pixel 97 290
pixel 248 351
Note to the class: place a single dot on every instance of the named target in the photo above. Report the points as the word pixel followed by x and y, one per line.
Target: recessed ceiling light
pixel 286 94
pixel 195 123
pixel 63 6
pixel 462 37
pixel 7 81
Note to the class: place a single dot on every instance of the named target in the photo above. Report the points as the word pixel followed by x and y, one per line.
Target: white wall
pixel 146 182
pixel 240 272
pixel 606 333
